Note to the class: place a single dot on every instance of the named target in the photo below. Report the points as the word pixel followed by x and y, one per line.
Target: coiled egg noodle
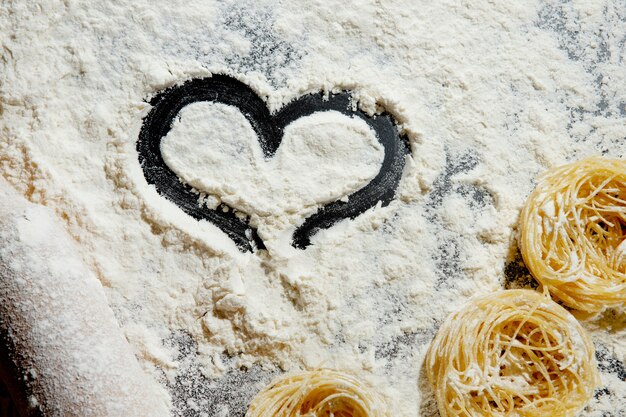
pixel 573 230
pixel 511 353
pixel 318 393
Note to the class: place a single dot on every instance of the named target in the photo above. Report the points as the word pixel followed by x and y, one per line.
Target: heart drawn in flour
pixel 269 129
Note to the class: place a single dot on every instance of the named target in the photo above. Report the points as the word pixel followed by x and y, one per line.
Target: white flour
pixel 489 93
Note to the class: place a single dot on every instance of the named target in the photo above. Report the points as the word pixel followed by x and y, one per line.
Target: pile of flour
pixel 489 93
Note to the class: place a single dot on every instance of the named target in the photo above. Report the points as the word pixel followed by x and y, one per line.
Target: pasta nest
pixel 511 353
pixel 319 393
pixel 573 233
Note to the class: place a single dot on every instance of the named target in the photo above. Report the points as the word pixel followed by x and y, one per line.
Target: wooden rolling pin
pixel 63 348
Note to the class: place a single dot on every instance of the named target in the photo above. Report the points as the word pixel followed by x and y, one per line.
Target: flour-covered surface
pixel 489 93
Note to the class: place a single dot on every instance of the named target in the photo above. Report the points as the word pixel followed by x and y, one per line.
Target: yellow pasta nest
pixel 511 353
pixel 573 231
pixel 319 393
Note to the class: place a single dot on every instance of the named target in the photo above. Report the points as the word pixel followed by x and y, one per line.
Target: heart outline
pixel 269 129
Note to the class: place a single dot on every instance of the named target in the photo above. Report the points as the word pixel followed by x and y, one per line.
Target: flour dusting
pixel 490 94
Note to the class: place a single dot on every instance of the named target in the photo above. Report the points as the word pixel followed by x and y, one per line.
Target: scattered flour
pixel 489 93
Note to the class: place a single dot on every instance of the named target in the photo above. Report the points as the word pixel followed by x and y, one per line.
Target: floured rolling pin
pixel 64 349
